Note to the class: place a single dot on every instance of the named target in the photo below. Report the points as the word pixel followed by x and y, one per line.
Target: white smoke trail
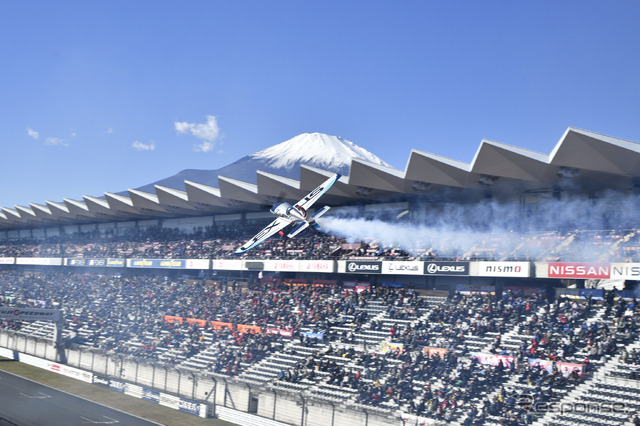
pixel 412 238
pixel 512 230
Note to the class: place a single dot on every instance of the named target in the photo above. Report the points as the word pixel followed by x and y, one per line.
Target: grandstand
pixel 529 318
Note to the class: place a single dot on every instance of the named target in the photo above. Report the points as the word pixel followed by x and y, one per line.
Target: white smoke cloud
pixel 502 231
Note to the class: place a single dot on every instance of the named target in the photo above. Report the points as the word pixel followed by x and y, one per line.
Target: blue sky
pixel 101 96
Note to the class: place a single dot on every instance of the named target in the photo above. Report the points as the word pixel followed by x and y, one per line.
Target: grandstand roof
pixel 581 161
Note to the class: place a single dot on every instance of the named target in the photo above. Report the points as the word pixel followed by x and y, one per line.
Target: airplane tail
pixel 298 229
pixel 321 212
pixel 316 215
pixel 312 222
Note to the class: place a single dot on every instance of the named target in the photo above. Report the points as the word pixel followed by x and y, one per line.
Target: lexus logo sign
pixel 446 268
pixel 364 267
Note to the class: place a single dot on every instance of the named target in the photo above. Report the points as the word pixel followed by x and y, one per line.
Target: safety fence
pixel 206 395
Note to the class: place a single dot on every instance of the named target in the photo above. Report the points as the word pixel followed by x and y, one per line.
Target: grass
pixel 138 407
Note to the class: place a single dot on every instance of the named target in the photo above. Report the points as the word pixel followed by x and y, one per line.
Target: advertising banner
pixel 579 270
pixel 96 262
pixel 446 268
pixel 475 289
pixel 85 262
pixel 625 271
pixel 158 397
pixel 227 264
pixel 156 263
pixel 200 322
pixel 197 263
pixel 43 261
pixel 318 336
pixel 72 372
pixel 320 283
pixel 115 263
pixel 567 367
pixel 252 265
pixel 362 288
pixel 7 260
pixel 100 380
pixel 625 294
pixel 30 314
pixel 171 318
pixel 284 333
pixel 248 329
pixel 317 266
pixel 150 395
pixel 429 351
pixel 594 293
pixel 363 267
pixel 349 247
pixel 179 404
pixel 171 263
pixel 501 269
pixel 353 285
pixel 281 265
pixel 570 293
pixel 65 370
pixel 218 325
pixel 402 268
pixel 492 359
pixel 390 346
pixel 541 363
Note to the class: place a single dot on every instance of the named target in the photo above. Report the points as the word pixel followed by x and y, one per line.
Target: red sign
pixel 171 318
pixel 579 270
pixel 200 322
pixel 248 328
pixel 280 331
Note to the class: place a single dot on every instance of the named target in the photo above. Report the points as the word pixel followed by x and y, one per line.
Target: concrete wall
pixel 269 407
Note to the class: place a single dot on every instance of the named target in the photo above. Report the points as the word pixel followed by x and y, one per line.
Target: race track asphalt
pixel 27 403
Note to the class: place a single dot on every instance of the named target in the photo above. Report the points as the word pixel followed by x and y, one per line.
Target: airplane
pixel 296 214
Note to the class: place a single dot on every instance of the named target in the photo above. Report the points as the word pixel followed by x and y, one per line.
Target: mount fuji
pixel 326 152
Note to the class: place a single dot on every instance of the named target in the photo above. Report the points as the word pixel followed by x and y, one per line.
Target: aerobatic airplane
pixel 296 214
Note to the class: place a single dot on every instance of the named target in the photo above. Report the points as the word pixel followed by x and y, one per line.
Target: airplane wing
pixel 268 231
pixel 314 195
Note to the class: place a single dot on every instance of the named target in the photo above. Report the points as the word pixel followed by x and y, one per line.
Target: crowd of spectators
pixel 440 387
pixel 221 243
pixel 126 315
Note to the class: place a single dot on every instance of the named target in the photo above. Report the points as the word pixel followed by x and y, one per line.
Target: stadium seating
pixel 610 245
pixel 389 349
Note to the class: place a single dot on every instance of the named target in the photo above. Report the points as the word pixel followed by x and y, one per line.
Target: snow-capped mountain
pixel 327 152
pixel 317 149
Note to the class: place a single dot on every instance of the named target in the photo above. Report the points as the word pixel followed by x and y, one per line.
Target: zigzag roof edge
pixel 251 187
pixel 453 163
pixel 534 155
pixel 385 169
pixel 282 179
